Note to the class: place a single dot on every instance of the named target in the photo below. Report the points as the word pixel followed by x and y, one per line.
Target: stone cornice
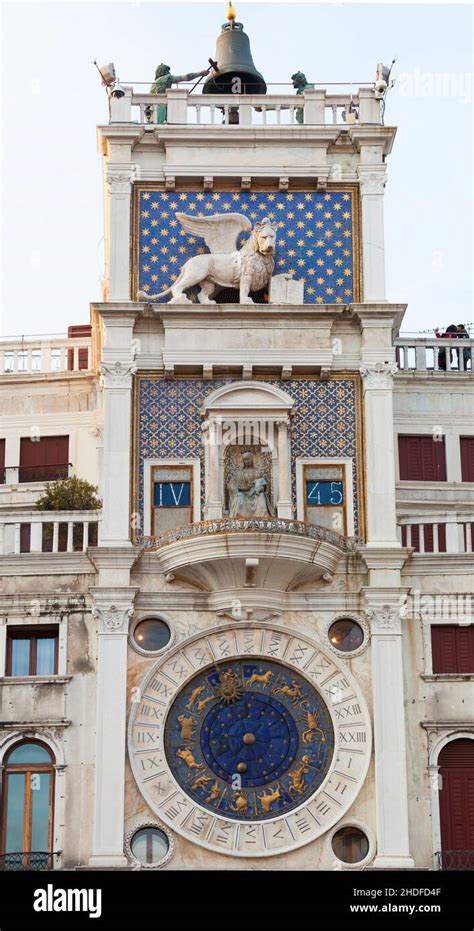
pixel 45 564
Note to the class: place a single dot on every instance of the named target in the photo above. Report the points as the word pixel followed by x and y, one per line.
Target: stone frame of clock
pixel 314 662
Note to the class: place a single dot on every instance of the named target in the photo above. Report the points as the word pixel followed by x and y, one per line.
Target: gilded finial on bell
pixel 231 13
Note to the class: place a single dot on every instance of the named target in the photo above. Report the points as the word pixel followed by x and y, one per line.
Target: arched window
pixel 27 807
pixel 456 803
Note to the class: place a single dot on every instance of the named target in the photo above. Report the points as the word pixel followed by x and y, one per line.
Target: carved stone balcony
pixel 276 554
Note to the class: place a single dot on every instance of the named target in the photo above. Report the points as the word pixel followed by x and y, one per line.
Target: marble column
pixel 112 610
pixel 117 384
pixel 380 454
pixel 391 791
pixel 119 179
pixel 284 504
pixel 371 183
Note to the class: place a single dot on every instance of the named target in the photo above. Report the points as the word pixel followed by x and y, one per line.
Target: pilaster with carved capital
pixel 112 610
pixel 119 178
pixel 383 611
pixel 284 506
pixel 117 374
pixel 380 454
pixel 378 376
pixel 371 183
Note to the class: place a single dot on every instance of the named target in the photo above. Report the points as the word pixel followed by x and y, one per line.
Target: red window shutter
pixel 422 459
pixel 2 462
pixel 467 458
pixel 83 358
pixel 44 460
pixel 452 648
pixel 443 648
pixel 465 649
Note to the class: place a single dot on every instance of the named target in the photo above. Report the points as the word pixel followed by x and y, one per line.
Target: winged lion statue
pixel 248 268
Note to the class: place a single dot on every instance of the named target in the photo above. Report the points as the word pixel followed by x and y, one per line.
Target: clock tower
pixel 249 570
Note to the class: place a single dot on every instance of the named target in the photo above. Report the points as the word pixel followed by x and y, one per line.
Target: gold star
pixel 146 196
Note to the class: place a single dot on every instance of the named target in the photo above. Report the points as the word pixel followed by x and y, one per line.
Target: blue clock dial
pixel 249 739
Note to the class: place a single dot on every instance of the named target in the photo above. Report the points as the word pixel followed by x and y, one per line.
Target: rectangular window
pixel 32 652
pixel 467 458
pixel 2 462
pixel 172 494
pixel 44 460
pixel 422 458
pixel 324 496
pixel 171 497
pixel 452 647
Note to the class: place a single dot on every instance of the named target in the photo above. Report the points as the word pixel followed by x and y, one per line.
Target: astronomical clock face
pixel 249 741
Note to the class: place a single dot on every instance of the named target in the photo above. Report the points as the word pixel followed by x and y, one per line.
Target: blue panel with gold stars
pixel 315 232
pixel 249 740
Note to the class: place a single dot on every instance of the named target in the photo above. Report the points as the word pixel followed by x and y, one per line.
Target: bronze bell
pixel 237 73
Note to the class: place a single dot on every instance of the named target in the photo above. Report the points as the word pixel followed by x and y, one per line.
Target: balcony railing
pixel 48 531
pixel 455 859
pixel 312 108
pixel 29 860
pixel 414 354
pixel 226 525
pixel 37 354
pixel 437 534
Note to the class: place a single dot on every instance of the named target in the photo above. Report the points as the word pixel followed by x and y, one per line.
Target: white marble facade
pixel 266 579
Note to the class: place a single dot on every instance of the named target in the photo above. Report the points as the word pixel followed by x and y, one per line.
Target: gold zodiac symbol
pixel 203 702
pixel 266 801
pixel 241 803
pixel 188 757
pixel 194 695
pixel 312 729
pixel 297 776
pixel 292 691
pixel 187 725
pixel 263 679
pixel 201 782
pixel 214 793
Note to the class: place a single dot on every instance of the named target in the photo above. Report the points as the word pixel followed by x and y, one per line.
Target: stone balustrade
pixel 47 531
pixel 314 107
pixel 437 533
pixel 430 354
pixel 42 354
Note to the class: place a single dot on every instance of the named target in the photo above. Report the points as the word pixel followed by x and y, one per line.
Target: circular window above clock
pixel 350 844
pixel 346 635
pixel 151 635
pixel 249 740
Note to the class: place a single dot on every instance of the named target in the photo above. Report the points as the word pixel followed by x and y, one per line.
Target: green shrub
pixel 69 494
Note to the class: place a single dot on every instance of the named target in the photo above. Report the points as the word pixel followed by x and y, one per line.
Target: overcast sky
pixel 52 223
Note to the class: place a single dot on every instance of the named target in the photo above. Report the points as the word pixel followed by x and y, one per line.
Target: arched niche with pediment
pixel 252 416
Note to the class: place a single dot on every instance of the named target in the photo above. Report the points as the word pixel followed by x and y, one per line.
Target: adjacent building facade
pixel 260 651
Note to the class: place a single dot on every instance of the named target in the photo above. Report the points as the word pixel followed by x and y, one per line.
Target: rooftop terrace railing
pixel 432 354
pixel 314 107
pixel 42 354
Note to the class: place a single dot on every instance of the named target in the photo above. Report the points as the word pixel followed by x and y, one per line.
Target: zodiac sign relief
pixel 187 725
pixel 267 800
pixel 214 793
pixel 187 755
pixel 297 775
pixel 312 730
pixel 292 691
pixel 263 679
pixel 241 803
pixel 194 696
pixel 200 782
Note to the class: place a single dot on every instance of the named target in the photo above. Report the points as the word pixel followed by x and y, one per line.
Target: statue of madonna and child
pixel 248 494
